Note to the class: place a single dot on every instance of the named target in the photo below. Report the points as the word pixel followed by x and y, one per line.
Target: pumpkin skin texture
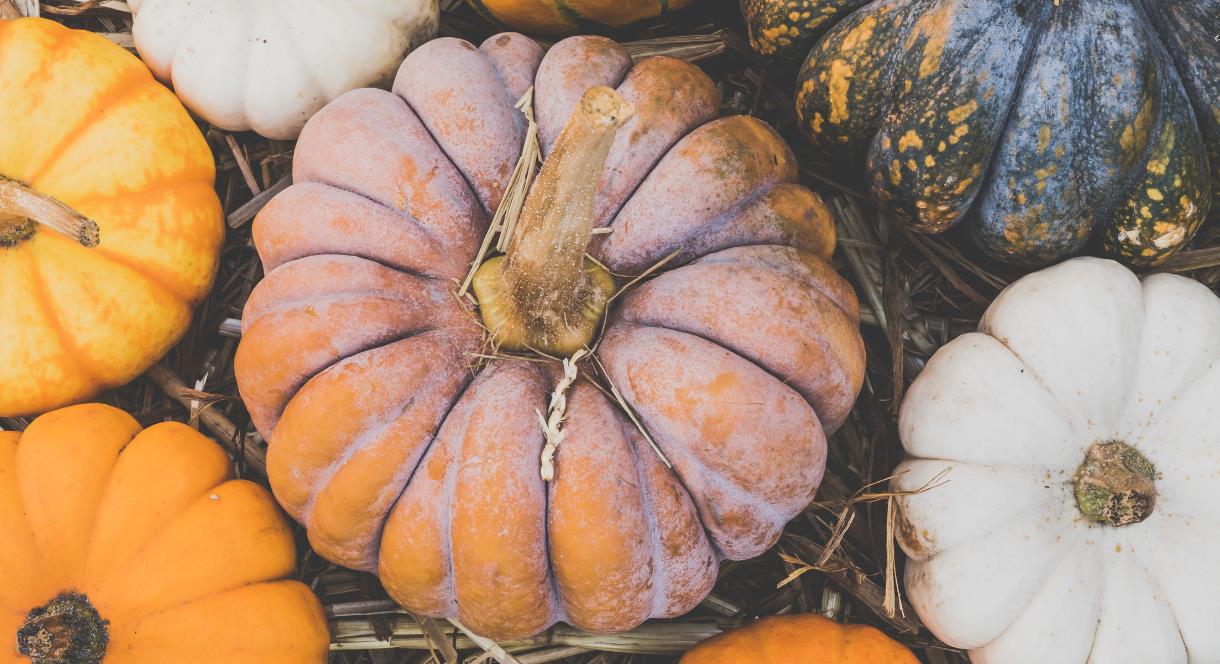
pixel 557 18
pixel 1008 557
pixel 184 563
pixel 118 148
pixel 1043 125
pixel 293 60
pixel 800 639
pixel 405 456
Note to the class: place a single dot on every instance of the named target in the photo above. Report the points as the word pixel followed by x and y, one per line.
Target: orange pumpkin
pixel 95 152
pixel 406 453
pixel 800 639
pixel 565 17
pixel 125 546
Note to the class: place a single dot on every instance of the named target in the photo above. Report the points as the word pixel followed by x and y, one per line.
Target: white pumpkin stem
pixel 22 210
pixel 1115 485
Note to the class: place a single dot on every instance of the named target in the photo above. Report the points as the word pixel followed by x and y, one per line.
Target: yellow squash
pixel 109 226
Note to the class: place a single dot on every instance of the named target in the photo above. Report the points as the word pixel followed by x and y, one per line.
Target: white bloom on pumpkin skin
pixel 1004 560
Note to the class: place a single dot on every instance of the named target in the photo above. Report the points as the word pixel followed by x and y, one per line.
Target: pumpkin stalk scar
pixel 67 630
pixel 1115 485
pixel 22 210
pixel 543 294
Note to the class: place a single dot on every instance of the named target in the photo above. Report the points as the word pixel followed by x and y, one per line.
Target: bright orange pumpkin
pixel 125 546
pixel 92 144
pixel 800 639
pixel 568 17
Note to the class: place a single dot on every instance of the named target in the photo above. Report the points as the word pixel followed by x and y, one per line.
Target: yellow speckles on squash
pixel 1044 137
pixel 912 165
pixel 960 113
pixel 929 161
pixel 886 143
pixel 895 173
pixel 816 123
pixel 910 140
pixel 840 75
pixel 940 147
pixel 1155 194
pixel 1145 212
pixel 1157 166
pixel 963 186
pixel 1127 140
pixel 906 86
pixel 1046 171
pixel 958 132
pixel 860 34
pixel 1058 151
pixel 934 27
pixel 988 93
pixel 1021 198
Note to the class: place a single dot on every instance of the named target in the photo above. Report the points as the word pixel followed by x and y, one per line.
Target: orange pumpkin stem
pixel 67 630
pixel 22 210
pixel 544 294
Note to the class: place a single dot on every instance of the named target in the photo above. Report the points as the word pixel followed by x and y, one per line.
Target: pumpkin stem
pixel 22 210
pixel 544 295
pixel 1115 485
pixel 67 630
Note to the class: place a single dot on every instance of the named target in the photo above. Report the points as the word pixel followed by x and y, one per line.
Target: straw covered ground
pixel 837 558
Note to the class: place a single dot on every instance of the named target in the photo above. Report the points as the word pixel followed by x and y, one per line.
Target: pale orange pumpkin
pixel 94 151
pixel 405 452
pixel 124 546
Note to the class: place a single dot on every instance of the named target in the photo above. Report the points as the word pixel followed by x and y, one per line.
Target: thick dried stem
pixel 67 630
pixel 23 210
pixel 544 295
pixel 1115 485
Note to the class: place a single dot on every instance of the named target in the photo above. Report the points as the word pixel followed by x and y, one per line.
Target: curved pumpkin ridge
pixel 311 219
pixel 568 69
pixel 967 59
pixel 248 542
pixel 715 415
pixel 60 501
pixel 648 544
pixel 273 616
pixel 209 31
pixel 392 306
pixel 671 98
pixel 516 59
pixel 170 461
pixel 398 165
pixel 379 445
pixel 708 173
pixel 768 320
pixel 456 92
pixel 50 76
pixel 24 586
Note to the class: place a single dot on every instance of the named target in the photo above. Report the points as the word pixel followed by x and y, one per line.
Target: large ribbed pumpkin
pixel 1043 124
pixel 566 17
pixel 130 546
pixel 407 449
pixel 94 151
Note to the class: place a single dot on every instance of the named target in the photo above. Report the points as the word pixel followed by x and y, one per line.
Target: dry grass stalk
pixel 235 439
pixel 691 48
pixel 552 424
pixel 243 164
pixel 490 647
pixel 504 222
pixel 246 213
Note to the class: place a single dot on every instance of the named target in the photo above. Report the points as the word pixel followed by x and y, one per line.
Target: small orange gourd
pixel 123 546
pixel 94 152
pixel 800 639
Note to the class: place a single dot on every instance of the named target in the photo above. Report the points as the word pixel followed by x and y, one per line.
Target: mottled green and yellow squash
pixel 1044 125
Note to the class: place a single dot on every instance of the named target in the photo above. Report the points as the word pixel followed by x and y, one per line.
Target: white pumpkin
pixel 1085 390
pixel 269 65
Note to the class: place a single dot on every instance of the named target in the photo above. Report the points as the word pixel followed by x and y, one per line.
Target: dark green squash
pixel 1044 123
